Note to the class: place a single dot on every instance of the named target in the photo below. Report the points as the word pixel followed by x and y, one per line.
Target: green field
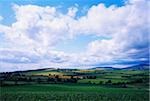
pixel 123 85
pixel 71 92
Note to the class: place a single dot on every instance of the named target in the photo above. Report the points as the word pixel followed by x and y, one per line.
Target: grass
pixel 71 92
pixel 117 76
pixel 96 81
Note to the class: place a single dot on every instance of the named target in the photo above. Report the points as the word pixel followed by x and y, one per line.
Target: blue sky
pixel 73 33
pixel 7 12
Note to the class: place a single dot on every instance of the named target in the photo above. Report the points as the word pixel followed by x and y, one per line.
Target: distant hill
pixel 34 70
pixel 106 68
pixel 134 67
pixel 138 67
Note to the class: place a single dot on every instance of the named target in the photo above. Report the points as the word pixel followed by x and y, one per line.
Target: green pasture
pixel 71 92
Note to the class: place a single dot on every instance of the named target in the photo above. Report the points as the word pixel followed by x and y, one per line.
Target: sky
pixel 73 33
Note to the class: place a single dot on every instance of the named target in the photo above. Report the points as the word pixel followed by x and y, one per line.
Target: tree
pixel 39 80
pixel 29 79
pixel 1 82
pixel 71 76
pixel 57 76
pixel 16 81
pixel 108 82
pixel 89 82
pixel 100 82
pixel 94 77
pixel 124 85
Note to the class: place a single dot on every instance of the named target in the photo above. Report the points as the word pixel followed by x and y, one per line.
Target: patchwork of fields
pixel 90 85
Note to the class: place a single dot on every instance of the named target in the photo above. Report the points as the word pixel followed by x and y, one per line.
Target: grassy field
pixel 96 81
pixel 71 92
pixel 117 76
pixel 125 85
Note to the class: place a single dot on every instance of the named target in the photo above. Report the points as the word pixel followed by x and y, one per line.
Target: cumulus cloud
pixel 38 27
pixel 129 31
pixel 37 30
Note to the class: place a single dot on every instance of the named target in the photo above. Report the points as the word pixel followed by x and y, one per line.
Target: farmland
pixel 56 92
pixel 75 85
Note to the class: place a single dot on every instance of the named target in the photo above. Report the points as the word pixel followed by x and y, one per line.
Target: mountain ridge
pixel 133 67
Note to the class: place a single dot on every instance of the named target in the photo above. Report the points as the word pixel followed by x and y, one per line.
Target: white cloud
pixel 38 29
pixel 128 27
pixel 24 59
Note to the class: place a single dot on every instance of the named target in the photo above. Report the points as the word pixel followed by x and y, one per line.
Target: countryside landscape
pixel 74 50
pixel 94 84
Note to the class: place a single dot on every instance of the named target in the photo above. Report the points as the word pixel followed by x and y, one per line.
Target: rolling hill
pixel 138 67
